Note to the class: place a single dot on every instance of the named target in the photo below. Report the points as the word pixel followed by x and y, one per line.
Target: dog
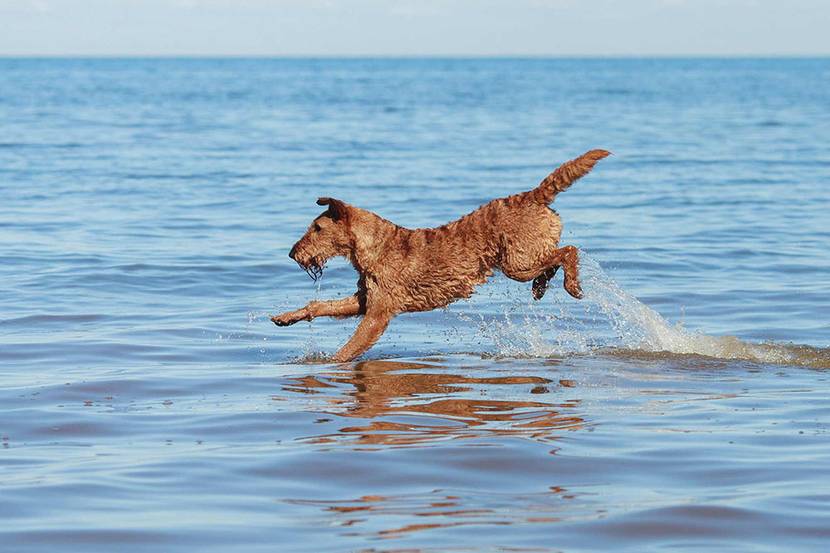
pixel 403 270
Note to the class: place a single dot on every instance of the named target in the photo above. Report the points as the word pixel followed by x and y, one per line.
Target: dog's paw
pixel 574 289
pixel 286 319
pixel 540 286
pixel 541 282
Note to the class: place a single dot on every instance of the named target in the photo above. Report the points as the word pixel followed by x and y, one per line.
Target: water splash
pixel 640 327
pixel 609 319
pixel 312 352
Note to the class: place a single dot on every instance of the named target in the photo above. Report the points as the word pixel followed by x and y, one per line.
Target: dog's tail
pixel 565 175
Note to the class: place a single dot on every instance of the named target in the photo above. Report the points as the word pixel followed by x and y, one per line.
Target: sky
pixel 414 27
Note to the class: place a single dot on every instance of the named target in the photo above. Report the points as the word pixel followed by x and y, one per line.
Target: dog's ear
pixel 339 210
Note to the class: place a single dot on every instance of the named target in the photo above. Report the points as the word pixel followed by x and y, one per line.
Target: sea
pixel 147 207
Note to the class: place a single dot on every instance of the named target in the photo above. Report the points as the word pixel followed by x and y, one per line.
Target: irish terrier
pixel 402 270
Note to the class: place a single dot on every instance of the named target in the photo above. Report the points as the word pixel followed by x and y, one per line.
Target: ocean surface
pixel 147 207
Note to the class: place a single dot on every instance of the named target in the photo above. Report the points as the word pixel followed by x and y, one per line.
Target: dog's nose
pixel 293 252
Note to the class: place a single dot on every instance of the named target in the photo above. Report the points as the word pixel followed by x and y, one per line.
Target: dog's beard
pixel 314 269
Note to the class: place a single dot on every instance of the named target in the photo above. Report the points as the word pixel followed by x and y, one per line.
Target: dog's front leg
pixel 368 331
pixel 347 307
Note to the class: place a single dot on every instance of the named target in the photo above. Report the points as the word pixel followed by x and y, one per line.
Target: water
pixel 146 402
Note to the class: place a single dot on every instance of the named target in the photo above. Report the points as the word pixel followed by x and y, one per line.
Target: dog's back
pixel 430 268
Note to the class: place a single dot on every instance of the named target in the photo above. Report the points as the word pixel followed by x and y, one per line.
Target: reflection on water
pixel 405 403
pixel 393 404
pixel 392 516
pixel 400 403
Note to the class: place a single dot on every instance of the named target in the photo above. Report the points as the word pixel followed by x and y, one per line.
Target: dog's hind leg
pixel 568 258
pixel 347 307
pixel 542 271
pixel 368 332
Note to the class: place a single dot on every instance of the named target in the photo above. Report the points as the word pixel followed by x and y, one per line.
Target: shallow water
pixel 146 402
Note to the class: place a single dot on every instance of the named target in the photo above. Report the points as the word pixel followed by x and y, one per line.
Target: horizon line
pixel 447 56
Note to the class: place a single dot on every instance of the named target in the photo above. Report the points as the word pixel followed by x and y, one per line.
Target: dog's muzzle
pixel 313 267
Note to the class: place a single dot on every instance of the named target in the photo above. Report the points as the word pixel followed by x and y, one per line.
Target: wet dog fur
pixel 404 270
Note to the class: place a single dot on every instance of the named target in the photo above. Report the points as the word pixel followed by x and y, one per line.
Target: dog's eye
pixel 317 227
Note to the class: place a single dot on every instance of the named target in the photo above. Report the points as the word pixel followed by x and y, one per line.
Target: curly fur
pixel 405 270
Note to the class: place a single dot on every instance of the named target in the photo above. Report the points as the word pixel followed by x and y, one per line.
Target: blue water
pixel 146 401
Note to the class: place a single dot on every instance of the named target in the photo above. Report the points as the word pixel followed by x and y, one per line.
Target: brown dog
pixel 403 270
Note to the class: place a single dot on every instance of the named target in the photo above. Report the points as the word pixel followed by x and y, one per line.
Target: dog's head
pixel 328 236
